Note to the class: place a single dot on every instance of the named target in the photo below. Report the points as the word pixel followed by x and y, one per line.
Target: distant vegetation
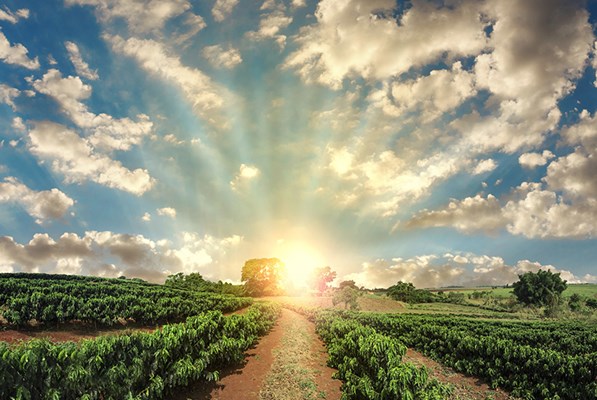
pixel 31 299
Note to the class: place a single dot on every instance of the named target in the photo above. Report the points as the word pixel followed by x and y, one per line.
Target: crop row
pixel 370 364
pixel 133 366
pixel 52 301
pixel 479 349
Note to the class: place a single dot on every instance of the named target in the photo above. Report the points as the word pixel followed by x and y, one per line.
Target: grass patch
pixel 290 378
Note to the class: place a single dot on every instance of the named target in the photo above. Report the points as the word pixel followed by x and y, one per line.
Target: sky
pixel 443 143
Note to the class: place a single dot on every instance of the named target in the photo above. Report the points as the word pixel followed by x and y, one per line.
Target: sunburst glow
pixel 300 260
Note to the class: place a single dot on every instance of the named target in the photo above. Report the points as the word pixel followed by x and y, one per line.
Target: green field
pixel 583 289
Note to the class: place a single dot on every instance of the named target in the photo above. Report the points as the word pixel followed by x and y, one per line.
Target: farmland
pixel 192 343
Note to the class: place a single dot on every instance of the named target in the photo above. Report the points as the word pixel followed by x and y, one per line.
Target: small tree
pixel 350 284
pixel 262 276
pixel 542 288
pixel 321 277
pixel 348 296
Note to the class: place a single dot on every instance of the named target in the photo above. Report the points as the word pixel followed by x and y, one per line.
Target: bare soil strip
pixel 465 387
pixel 299 370
pixel 287 363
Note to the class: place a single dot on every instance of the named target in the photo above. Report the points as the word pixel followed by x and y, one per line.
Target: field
pixel 147 341
pixel 584 289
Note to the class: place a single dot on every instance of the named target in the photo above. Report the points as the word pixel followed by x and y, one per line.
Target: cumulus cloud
pixel 246 173
pixel 222 9
pixel 8 94
pixel 106 132
pixel 16 54
pixel 76 159
pixel 432 95
pixel 484 166
pixel 206 96
pixel 526 77
pixel 222 58
pixel 146 217
pixel 533 160
pixel 80 65
pixel 469 215
pixel 41 205
pixel 530 210
pixel 141 15
pixel 361 38
pixel 270 25
pixel 13 17
pixel 112 254
pixel 167 212
pixel 432 271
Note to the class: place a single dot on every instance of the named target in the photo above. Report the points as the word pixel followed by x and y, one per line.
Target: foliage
pixel 262 276
pixel 135 366
pixel 592 303
pixel 321 277
pixel 542 288
pixel 533 359
pixel 56 299
pixel 348 296
pixel 350 284
pixel 370 364
pixel 406 291
pixel 194 281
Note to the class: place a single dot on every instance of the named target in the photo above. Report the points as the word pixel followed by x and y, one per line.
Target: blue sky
pixel 437 142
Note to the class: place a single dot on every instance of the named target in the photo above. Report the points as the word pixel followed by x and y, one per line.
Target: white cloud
pixel 451 270
pixel 530 211
pixel 195 23
pixel 525 74
pixel 434 94
pixel 221 58
pixel 146 217
pixel 484 166
pixel 16 54
pixel 140 15
pixel 41 205
pixel 106 132
pixel 80 65
pixel 13 17
pixel 75 158
pixel 8 94
pixel 270 26
pixel 246 174
pixel 167 212
pixel 471 214
pixel 222 9
pixel 357 38
pixel 113 254
pixel 206 97
pixel 533 160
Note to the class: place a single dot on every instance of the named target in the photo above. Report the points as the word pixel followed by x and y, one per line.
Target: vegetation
pixel 347 295
pixel 321 277
pixel 135 366
pixel 542 288
pixel 56 299
pixel 263 276
pixel 194 281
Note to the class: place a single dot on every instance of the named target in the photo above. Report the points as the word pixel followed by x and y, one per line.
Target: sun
pixel 300 260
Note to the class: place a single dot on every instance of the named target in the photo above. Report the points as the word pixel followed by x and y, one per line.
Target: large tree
pixel 263 276
pixel 321 277
pixel 542 288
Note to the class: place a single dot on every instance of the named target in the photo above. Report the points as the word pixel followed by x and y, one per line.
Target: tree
pixel 406 291
pixel 262 276
pixel 321 277
pixel 542 288
pixel 193 281
pixel 348 296
pixel 350 284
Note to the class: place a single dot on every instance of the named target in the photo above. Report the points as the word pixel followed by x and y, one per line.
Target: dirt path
pixel 465 387
pixel 288 363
